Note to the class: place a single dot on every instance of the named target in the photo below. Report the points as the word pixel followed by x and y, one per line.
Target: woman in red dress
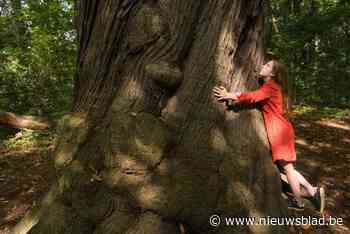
pixel 279 130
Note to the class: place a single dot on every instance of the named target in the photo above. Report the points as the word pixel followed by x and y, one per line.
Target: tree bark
pixel 147 148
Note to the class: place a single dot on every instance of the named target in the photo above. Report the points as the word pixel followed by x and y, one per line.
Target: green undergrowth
pixel 315 112
pixel 29 139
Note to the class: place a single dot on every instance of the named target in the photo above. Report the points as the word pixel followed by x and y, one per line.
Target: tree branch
pixel 23 121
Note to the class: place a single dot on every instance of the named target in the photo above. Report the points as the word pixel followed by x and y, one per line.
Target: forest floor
pixel 323 151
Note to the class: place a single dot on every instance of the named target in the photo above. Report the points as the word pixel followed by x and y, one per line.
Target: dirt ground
pixel 323 157
pixel 323 151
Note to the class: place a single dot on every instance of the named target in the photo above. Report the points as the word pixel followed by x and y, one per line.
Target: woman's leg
pixel 310 189
pixel 295 179
pixel 292 179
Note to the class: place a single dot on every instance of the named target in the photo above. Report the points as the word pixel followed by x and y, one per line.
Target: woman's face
pixel 266 69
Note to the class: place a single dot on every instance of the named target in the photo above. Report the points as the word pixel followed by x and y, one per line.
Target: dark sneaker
pixel 318 200
pixel 293 204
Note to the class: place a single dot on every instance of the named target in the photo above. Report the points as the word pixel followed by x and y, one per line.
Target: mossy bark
pixel 147 148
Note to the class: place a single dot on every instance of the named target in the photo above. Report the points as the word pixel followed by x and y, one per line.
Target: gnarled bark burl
pixel 147 147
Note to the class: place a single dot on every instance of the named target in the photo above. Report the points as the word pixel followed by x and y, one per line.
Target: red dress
pixel 280 131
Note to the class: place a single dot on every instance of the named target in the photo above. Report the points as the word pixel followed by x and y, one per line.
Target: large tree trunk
pixel 147 148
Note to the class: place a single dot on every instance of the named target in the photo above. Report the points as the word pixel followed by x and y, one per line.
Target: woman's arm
pixel 264 92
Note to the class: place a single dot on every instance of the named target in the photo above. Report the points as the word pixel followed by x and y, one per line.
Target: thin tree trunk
pixel 19 25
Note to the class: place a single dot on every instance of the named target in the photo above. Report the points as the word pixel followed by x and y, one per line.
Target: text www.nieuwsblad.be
pixel 216 220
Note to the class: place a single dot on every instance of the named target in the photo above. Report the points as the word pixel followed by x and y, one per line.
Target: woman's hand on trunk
pixel 222 94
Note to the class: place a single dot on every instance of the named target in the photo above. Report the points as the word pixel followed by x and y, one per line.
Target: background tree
pixel 312 37
pixel 37 56
pixel 147 147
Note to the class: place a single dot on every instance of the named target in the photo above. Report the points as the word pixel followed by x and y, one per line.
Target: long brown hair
pixel 280 76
